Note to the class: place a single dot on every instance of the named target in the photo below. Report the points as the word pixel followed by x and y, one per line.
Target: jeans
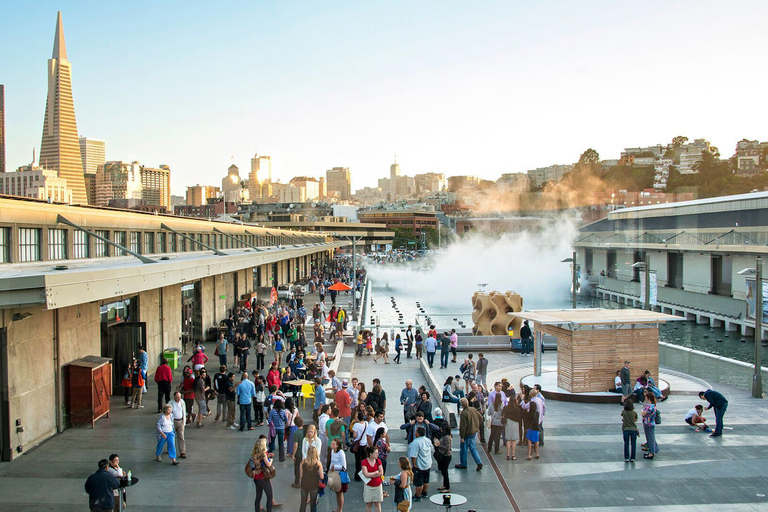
pixel 258 411
pixel 245 415
pixel 280 438
pixel 243 361
pixel 444 359
pixel 170 438
pixel 163 391
pixel 223 359
pixel 221 405
pixel 630 439
pixel 430 359
pixel 719 413
pixel 468 444
pixel 527 344
pixel 397 357
pixel 312 500
pixel 259 361
pixel 263 486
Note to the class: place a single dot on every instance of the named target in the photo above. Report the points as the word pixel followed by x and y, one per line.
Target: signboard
pixel 272 296
pixel 751 300
pixel 654 288
pixel 388 247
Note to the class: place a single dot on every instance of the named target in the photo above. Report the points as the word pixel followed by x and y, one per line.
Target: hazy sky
pixel 458 87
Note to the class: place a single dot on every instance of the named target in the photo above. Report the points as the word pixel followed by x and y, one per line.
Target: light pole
pixel 573 277
pixel 646 265
pixel 757 376
pixel 354 274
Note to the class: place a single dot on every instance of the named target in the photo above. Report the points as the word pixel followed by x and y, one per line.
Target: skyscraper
pixel 2 128
pixel 60 148
pixel 156 186
pixel 338 182
pixel 261 172
pixel 93 153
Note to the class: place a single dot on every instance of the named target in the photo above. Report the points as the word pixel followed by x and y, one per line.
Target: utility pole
pixel 574 280
pixel 757 379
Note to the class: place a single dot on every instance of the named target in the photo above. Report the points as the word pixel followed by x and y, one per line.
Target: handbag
pixel 249 468
pixel 268 471
pixel 216 352
pixel 272 430
pixel 344 476
pixel 657 419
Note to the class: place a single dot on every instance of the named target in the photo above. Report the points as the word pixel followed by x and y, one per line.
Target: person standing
pixel 143 365
pixel 261 351
pixel 408 398
pixel 344 402
pixel 319 399
pixel 419 342
pixel 260 460
pixel 179 414
pixel 398 348
pixel 373 494
pixel 445 347
pixel 277 420
pixel 629 430
pixel 443 455
pixel 430 345
pixel 245 392
pixel 337 464
pixel 245 350
pixel 512 417
pixel 649 425
pixel 719 403
pixel 454 344
pixel 231 400
pixel 359 442
pixel 137 385
pixel 163 378
pixel 626 382
pixel 165 434
pixel 297 456
pixel 495 411
pixel 482 370
pixel 202 387
pixel 470 421
pixel 311 474
pixel 222 345
pixel 408 341
pixel 100 487
pixel 526 341
pixel 420 453
pixel 115 470
pixel 220 387
pixel 532 433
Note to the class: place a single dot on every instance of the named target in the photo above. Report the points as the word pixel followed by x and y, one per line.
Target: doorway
pixel 191 315
pixel 5 412
pixel 121 344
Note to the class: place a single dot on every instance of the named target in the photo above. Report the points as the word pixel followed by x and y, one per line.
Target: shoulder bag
pixel 657 418
pixel 268 471
pixel 249 467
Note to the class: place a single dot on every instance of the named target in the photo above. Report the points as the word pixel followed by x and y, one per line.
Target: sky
pixel 479 88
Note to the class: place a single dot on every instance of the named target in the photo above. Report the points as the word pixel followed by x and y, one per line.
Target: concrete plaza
pixel 581 465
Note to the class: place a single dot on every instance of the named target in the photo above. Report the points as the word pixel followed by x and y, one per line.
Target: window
pixel 674 270
pixel 161 242
pixel 5 245
pixel 174 243
pixel 57 244
pixel 80 242
pixel 135 243
pixel 29 244
pixel 120 238
pixel 149 243
pixel 102 249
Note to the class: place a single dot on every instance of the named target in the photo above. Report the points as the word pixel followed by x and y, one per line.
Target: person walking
pixel 443 455
pixel 445 347
pixel 719 403
pixel 260 460
pixel 277 421
pixel 179 414
pixel 220 387
pixel 163 379
pixel 526 341
pixel 430 344
pixel 165 434
pixel 319 399
pixel 311 474
pixel 100 487
pixel 398 348
pixel 482 370
pixel 470 421
pixel 202 387
pixel 373 494
pixel 382 349
pixel 629 430
pixel 649 425
pixel 297 456
pixel 245 392
pixel 231 401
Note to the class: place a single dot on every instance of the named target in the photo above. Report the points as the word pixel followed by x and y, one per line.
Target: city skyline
pixel 506 88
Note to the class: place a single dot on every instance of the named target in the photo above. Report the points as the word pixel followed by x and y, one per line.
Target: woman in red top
pixel 373 494
pixel 187 389
pixel 273 375
pixel 198 361
pixel 260 459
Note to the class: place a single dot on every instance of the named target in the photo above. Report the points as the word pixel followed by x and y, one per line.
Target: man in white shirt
pixel 354 393
pixel 497 391
pixel 376 424
pixel 322 419
pixel 430 345
pixel 179 413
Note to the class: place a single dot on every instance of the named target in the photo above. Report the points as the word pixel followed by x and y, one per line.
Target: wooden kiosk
pixel 593 343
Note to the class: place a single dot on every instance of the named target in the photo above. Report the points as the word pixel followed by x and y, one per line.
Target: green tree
pixel 589 157
pixel 679 141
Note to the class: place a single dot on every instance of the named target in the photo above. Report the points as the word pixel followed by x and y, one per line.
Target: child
pixel 694 419
pixel 369 344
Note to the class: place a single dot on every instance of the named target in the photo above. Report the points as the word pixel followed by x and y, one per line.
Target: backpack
pixel 336 428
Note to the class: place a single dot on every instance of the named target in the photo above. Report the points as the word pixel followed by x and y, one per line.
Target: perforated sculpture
pixel 490 313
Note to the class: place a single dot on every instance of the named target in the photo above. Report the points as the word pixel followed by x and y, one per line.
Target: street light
pixel 647 267
pixel 757 377
pixel 572 260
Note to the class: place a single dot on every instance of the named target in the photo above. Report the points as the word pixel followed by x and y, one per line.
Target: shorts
pixel 420 477
pixel 373 494
pixel 198 367
pixel 202 406
pixel 625 389
pixel 689 420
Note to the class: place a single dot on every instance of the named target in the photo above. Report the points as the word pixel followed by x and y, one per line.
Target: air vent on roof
pixel 60 267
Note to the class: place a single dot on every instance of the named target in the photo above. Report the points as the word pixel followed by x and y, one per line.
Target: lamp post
pixel 354 240
pixel 646 266
pixel 573 276
pixel 757 376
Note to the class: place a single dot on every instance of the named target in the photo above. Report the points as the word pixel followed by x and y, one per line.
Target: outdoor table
pixel 124 484
pixel 454 500
pixel 299 382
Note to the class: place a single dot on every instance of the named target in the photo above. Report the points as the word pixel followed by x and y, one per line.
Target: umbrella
pixel 340 287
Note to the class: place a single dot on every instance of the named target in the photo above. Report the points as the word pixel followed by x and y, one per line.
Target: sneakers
pixel 479 467
pixel 459 466
pixel 417 499
pixel 707 429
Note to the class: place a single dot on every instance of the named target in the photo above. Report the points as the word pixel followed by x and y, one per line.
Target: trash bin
pixel 172 355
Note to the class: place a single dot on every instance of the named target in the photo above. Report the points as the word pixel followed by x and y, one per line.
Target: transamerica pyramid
pixel 60 148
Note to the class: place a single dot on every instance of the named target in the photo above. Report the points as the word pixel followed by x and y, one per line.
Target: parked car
pixel 284 291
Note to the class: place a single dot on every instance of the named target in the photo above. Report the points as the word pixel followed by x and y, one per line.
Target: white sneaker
pixel 235 424
pixel 231 428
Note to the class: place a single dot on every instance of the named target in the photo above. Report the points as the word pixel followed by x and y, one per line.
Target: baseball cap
pixel 345 383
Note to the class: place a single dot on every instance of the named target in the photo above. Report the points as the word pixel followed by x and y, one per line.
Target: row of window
pixel 65 243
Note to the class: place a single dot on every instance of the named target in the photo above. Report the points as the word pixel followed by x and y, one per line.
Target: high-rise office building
pixel 2 128
pixel 394 178
pixel 231 186
pixel 199 195
pixel 156 186
pixel 60 148
pixel 118 181
pixel 261 173
pixel 338 182
pixel 93 153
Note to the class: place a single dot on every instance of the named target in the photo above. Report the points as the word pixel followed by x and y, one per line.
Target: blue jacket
pixel 99 487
